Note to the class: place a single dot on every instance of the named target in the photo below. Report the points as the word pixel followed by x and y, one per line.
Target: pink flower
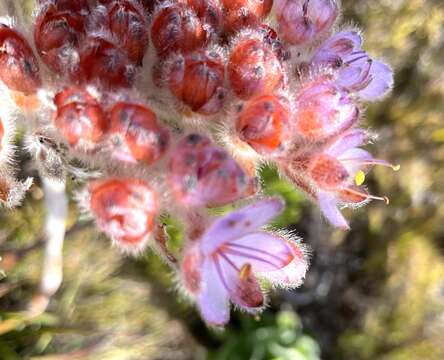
pixel 202 174
pixel 222 266
pixel 333 176
pixel 302 21
pixel 357 72
pixel 125 210
pixel 323 109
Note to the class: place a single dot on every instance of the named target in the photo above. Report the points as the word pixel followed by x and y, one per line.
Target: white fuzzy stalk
pixel 57 212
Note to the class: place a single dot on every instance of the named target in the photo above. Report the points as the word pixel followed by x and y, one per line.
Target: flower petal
pixel 348 140
pixel 272 256
pixel 329 208
pixel 338 47
pixel 381 83
pixel 356 159
pixel 239 223
pixel 191 270
pixel 213 300
pixel 356 74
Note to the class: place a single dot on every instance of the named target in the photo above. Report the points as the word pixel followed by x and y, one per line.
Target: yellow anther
pixel 359 178
pixel 396 167
pixel 245 271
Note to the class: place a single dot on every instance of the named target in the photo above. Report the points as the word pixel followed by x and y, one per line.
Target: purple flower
pixel 357 71
pixel 333 176
pixel 302 21
pixel 323 109
pixel 222 266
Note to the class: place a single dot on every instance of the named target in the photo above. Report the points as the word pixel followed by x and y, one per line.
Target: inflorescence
pixel 170 107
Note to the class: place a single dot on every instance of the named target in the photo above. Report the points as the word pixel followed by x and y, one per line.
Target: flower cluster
pixel 171 107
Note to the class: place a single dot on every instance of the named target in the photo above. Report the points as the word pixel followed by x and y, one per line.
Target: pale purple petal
pixel 272 256
pixel 213 300
pixel 348 140
pixel 381 82
pixel 329 208
pixel 355 74
pixel 335 49
pixel 301 21
pixel 355 159
pixel 239 223
pixel 264 251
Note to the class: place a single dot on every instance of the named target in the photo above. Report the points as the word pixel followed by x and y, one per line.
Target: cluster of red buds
pixel 170 107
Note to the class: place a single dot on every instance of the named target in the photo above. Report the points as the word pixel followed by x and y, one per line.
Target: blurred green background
pixel 376 292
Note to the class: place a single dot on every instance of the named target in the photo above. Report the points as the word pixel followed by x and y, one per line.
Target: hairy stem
pixel 57 211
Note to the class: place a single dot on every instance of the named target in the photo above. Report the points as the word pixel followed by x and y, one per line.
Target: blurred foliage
pixel 275 336
pixel 102 311
pixel 376 292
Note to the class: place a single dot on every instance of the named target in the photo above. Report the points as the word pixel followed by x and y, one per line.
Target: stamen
pixel 373 162
pixel 245 271
pixel 368 196
pixel 359 177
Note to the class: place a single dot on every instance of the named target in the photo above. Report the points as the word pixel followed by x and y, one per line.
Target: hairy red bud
pixel 253 68
pixel 19 69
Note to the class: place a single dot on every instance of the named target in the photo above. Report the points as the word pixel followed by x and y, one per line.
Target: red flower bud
pixel 56 35
pixel 208 11
pixel 302 21
pixel 124 209
pixel 73 94
pixel 197 80
pixel 323 109
pixel 177 28
pixel 202 174
pixel 128 24
pixel 148 5
pixel 103 62
pixel 139 136
pixel 272 39
pixel 253 68
pixel 19 69
pixel 244 13
pixel 68 5
pixel 264 123
pixel 79 118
